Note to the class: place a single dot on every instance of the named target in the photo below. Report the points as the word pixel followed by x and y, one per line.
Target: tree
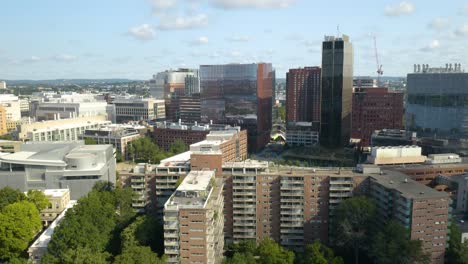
pixel 18 261
pixel 80 255
pixel 118 156
pixel 457 251
pixel 352 219
pixel 144 231
pixel 269 252
pixel 177 147
pixel 9 195
pixel 39 199
pixel 240 258
pixel 393 245
pixel 318 253
pixel 19 223
pixel 90 141
pixel 282 113
pixel 89 224
pixel 139 255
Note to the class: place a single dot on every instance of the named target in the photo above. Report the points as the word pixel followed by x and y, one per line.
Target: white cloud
pixel 435 44
pixel 169 22
pixel 462 31
pixel 235 4
pixel 159 5
pixel 200 41
pixel 32 59
pixel 65 57
pixel 403 8
pixel 244 38
pixel 142 32
pixel 439 23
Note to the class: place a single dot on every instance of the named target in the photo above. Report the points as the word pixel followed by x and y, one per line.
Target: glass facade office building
pixel 437 103
pixel 337 91
pixel 239 94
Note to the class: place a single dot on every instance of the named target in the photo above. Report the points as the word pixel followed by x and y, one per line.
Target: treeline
pixel 20 222
pixel 103 228
pixel 145 150
pixel 269 252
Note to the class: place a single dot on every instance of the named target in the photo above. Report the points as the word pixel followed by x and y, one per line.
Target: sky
pixel 50 39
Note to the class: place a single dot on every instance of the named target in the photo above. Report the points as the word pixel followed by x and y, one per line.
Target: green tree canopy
pixel 38 198
pixel 144 231
pixel 90 141
pixel 352 219
pixel 457 252
pixel 317 253
pixel 93 226
pixel 145 150
pixel 139 255
pixel 9 195
pixel 269 252
pixel 393 245
pixel 80 255
pixel 19 223
pixel 177 147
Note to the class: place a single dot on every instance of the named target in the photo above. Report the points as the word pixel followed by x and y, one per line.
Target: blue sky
pixel 49 39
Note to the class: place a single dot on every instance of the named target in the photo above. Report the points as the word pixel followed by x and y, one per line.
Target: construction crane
pixel 379 66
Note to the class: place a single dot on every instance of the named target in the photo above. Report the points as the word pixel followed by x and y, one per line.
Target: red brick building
pixel 303 95
pixel 375 109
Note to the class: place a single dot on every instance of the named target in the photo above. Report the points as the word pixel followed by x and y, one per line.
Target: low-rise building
pixel 58 165
pixel 396 155
pixel 165 133
pixel 118 135
pixel 60 130
pixel 58 201
pixel 51 106
pixel 130 108
pixel 193 220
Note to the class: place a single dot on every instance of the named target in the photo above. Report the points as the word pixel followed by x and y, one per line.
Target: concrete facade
pixel 59 165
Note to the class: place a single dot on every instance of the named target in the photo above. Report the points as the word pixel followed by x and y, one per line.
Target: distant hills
pixel 67 81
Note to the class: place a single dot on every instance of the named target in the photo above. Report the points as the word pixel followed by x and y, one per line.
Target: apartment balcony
pixel 171 235
pixel 172 259
pixel 292 231
pixel 137 180
pixel 242 205
pixel 171 252
pixel 292 187
pixel 289 237
pixel 333 188
pixel 332 182
pixel 291 224
pixel 244 187
pixel 238 200
pixel 171 243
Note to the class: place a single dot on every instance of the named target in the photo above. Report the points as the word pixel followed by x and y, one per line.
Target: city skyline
pixel 87 39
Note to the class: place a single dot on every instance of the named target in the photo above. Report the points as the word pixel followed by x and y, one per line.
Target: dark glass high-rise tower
pixel 337 91
pixel 239 94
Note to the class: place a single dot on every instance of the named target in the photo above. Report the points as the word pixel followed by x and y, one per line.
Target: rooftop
pixel 55 192
pixel 407 187
pixel 193 192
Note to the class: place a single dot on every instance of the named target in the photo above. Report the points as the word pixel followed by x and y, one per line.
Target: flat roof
pixel 182 157
pixel 55 192
pixel 196 181
pixel 193 192
pixel 406 186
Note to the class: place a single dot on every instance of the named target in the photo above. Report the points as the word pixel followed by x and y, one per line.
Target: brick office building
pixel 375 109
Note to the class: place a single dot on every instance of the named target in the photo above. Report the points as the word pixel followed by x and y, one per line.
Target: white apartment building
pixel 60 130
pixel 130 108
pixel 2 85
pixel 50 106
